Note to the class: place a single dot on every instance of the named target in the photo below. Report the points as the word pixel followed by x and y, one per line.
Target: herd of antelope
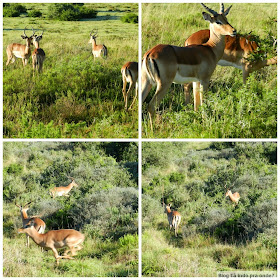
pixel 129 70
pixel 195 62
pixel 34 227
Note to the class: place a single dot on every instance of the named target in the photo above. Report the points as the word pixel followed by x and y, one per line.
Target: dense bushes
pixel 130 18
pixel 13 10
pixel 34 13
pixel 70 12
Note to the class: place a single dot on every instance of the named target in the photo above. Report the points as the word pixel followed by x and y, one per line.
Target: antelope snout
pixel 233 33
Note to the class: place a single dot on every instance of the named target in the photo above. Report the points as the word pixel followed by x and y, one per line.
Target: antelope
pixel 237 49
pixel 234 197
pixel 38 55
pixel 97 50
pixel 174 218
pixel 166 64
pixel 63 191
pixel 54 239
pixel 39 224
pixel 130 75
pixel 18 50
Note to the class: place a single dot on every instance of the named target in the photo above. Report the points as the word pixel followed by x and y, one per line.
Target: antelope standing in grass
pixel 97 50
pixel 166 64
pixel 54 239
pixel 237 49
pixel 38 55
pixel 63 191
pixel 234 197
pixel 39 224
pixel 130 75
pixel 174 218
pixel 20 51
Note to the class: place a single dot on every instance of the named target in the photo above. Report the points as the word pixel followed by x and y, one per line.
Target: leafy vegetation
pixel 230 109
pixel 214 235
pixel 13 10
pixel 75 96
pixel 131 18
pixel 104 206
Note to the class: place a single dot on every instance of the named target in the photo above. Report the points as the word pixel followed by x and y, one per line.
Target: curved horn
pixel 42 33
pixel 27 204
pixel 24 31
pixel 222 8
pixel 209 10
pixel 33 31
pixel 227 10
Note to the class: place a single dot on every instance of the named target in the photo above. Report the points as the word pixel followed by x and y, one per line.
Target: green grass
pixel 75 97
pixel 230 109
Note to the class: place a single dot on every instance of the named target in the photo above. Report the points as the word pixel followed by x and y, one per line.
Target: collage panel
pixel 63 70
pixel 82 196
pixel 180 53
pixel 209 209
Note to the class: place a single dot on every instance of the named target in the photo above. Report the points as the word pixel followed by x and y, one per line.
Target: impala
pixel 237 49
pixel 54 239
pixel 130 75
pixel 97 50
pixel 174 218
pixel 18 50
pixel 39 224
pixel 234 197
pixel 164 64
pixel 38 55
pixel 63 191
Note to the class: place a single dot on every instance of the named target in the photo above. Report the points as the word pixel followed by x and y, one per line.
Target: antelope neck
pixel 24 215
pixel 216 42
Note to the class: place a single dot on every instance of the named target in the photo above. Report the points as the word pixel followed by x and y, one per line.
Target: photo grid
pixel 139 139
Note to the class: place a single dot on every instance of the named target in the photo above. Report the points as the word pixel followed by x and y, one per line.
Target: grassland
pixel 230 109
pixel 213 235
pixel 75 97
pixel 104 207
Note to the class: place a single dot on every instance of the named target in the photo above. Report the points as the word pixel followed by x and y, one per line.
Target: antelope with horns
pixel 234 197
pixel 63 191
pixel 237 49
pixel 174 218
pixel 130 75
pixel 166 64
pixel 97 50
pixel 54 239
pixel 20 51
pixel 39 224
pixel 38 55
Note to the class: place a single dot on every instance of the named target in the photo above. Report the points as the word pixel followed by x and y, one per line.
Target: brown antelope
pixel 38 55
pixel 18 50
pixel 166 64
pixel 97 50
pixel 63 191
pixel 237 49
pixel 234 197
pixel 130 75
pixel 174 218
pixel 39 224
pixel 54 239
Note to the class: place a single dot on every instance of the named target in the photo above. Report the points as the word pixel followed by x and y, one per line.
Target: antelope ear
pixel 23 36
pixel 207 17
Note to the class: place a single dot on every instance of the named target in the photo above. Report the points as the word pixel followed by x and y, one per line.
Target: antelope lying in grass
pixel 174 218
pixel 63 191
pixel 39 224
pixel 166 64
pixel 130 75
pixel 54 239
pixel 38 55
pixel 20 51
pixel 97 50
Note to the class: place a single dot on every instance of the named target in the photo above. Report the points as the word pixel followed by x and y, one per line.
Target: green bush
pixel 34 13
pixel 130 18
pixel 13 10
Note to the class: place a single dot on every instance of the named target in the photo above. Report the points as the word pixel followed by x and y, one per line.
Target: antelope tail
pixel 152 69
pixel 105 51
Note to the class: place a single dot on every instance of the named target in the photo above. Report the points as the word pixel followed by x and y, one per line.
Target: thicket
pixel 194 180
pixel 35 13
pixel 13 10
pixel 70 12
pixel 130 18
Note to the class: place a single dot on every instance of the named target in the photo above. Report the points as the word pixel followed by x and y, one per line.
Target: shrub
pixel 13 10
pixel 34 13
pixel 130 18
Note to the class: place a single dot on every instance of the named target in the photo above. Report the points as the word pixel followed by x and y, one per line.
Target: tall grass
pixel 230 109
pixel 75 96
